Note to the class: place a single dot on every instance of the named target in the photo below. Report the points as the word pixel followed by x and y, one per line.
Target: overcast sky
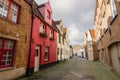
pixel 77 16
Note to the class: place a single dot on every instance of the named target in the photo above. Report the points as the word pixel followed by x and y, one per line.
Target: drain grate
pixel 88 77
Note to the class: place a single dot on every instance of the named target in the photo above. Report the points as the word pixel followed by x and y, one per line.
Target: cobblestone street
pixel 75 69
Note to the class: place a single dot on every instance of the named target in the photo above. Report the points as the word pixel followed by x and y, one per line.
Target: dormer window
pixel 42 28
pixel 51 33
pixel 48 14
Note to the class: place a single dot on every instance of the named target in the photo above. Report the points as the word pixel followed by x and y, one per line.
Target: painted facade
pixel 60 41
pixel 44 38
pixel 14 19
pixel 66 44
pixel 107 17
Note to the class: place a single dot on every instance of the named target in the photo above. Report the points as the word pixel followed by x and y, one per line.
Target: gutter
pixel 28 72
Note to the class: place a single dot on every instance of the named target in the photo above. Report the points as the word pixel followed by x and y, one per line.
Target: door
pixel 115 57
pixel 37 59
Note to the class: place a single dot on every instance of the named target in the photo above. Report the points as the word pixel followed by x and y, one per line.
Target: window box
pixel 43 35
pixel 51 38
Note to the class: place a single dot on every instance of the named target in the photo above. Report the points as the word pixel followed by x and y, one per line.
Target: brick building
pixel 107 30
pixel 14 33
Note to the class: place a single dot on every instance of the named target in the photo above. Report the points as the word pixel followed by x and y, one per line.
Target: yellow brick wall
pixel 19 31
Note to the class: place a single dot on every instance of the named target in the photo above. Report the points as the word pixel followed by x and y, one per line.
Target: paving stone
pixel 75 69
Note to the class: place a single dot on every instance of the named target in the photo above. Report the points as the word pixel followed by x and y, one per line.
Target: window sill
pixel 6 69
pixel 46 60
pixel 43 35
pixel 51 38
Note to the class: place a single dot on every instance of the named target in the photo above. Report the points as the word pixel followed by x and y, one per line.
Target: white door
pixel 115 58
pixel 37 59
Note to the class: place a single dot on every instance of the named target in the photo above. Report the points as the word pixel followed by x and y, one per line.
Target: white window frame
pixel 42 28
pixel 46 52
pixel 51 33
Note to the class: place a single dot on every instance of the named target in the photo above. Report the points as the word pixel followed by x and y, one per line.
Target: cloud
pixel 77 15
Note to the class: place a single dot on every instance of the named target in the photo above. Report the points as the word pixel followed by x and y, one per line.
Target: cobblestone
pixel 75 69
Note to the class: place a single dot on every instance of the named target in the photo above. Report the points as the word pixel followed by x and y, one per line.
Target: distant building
pixel 71 51
pixel 60 41
pixel 81 53
pixel 91 46
pixel 66 44
pixel 85 44
pixel 76 48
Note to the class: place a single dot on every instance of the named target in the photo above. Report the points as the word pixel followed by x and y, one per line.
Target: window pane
pixel 8 62
pixel 113 8
pixel 14 12
pixel 7 58
pixel 1 7
pixel 6 46
pixel 4 8
pixel 3 62
pixel 5 53
pixel 46 54
pixel 4 58
pixel 42 28
pixel 9 44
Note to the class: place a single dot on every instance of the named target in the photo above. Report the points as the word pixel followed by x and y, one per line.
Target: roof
pixel 34 5
pixel 36 12
pixel 54 26
pixel 58 22
pixel 64 30
pixel 92 32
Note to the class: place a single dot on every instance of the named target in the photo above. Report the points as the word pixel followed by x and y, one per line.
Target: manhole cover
pixel 88 77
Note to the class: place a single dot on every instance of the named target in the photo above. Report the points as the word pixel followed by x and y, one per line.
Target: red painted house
pixel 43 38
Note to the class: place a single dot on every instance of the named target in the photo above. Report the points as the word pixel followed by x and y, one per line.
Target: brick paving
pixel 75 69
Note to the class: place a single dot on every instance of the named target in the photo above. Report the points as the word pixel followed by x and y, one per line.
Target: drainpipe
pixel 29 72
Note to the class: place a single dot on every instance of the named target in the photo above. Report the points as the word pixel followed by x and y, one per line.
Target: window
pixel 113 8
pixel 9 10
pixel 51 33
pixel 14 13
pixel 59 39
pixel 6 52
pixel 4 4
pixel 46 57
pixel 42 28
pixel 48 14
pixel 63 40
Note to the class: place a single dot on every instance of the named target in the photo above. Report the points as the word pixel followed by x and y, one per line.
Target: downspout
pixel 29 72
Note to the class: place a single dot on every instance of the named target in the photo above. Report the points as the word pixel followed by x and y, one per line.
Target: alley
pixel 75 69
